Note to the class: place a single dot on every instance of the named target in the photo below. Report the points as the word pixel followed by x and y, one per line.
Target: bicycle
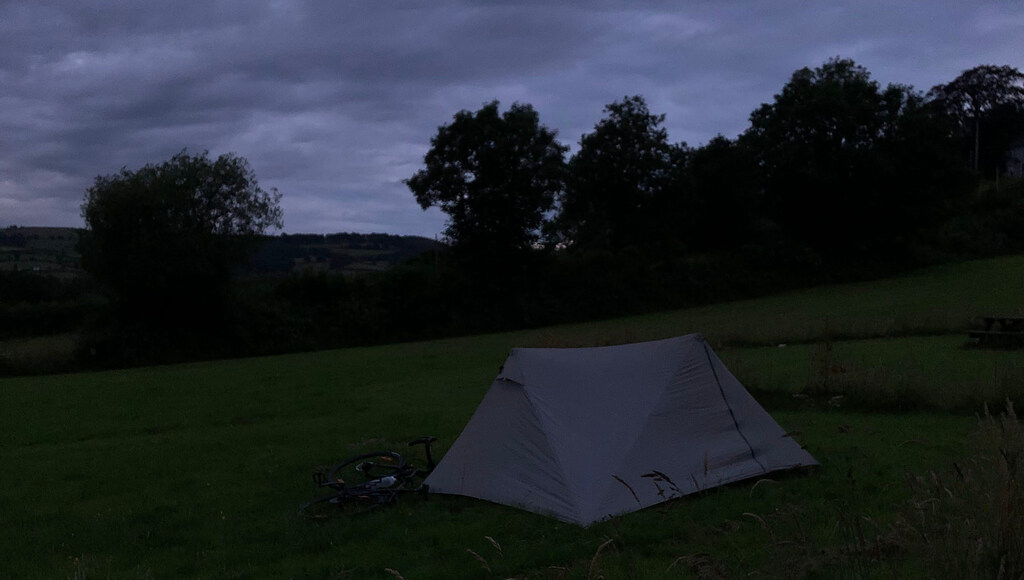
pixel 367 482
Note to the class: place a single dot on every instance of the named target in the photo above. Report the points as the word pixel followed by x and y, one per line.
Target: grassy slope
pixel 928 301
pixel 196 470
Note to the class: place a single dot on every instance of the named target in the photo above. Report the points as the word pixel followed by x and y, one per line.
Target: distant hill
pixel 54 251
pixel 45 250
pixel 346 253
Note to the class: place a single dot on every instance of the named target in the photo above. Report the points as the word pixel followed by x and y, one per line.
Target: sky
pixel 334 102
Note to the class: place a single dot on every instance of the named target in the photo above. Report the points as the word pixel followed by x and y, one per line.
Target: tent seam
pixel 545 429
pixel 655 405
pixel 736 423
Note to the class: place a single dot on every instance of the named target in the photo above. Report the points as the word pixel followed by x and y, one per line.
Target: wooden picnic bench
pixel 998 330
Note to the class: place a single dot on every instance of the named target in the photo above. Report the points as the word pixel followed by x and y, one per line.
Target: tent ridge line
pixel 725 400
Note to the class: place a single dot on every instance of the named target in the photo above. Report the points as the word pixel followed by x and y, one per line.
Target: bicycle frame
pixel 373 490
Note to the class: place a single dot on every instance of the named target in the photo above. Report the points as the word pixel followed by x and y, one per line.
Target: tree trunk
pixel 977 125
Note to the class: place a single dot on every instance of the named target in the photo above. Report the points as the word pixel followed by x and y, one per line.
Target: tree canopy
pixel 617 178
pixel 718 196
pixel 985 93
pixel 165 239
pixel 494 175
pixel 844 165
pixel 981 90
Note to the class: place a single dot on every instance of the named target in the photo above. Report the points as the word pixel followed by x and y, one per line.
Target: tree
pixel 617 179
pixel 495 175
pixel 719 196
pixel 978 94
pixel 848 167
pixel 165 239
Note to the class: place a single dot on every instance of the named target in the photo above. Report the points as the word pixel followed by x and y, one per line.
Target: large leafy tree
pixel 618 179
pixel 847 166
pixel 495 175
pixel 719 196
pixel 165 239
pixel 984 93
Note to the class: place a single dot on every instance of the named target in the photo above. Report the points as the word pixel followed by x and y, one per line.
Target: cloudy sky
pixel 334 103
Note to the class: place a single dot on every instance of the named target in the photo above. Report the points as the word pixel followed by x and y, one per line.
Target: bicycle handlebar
pixel 426 441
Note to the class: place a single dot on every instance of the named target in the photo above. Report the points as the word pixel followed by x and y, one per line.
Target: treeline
pixel 836 166
pixel 838 178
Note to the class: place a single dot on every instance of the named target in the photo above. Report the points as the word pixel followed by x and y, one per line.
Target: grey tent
pixel 583 434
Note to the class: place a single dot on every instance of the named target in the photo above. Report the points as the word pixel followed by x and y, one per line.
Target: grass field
pixel 197 470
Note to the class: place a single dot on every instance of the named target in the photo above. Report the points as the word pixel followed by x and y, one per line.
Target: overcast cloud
pixel 334 103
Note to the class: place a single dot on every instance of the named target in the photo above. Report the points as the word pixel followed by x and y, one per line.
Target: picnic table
pixel 998 330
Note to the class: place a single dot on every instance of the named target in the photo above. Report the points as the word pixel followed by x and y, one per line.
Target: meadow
pixel 197 470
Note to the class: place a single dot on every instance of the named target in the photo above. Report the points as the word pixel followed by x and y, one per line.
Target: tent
pixel 583 434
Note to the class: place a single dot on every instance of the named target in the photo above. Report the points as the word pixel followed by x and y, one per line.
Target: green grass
pixel 935 300
pixel 939 372
pixel 197 470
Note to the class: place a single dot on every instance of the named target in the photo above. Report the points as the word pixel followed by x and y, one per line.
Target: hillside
pixel 345 253
pixel 54 251
pixel 51 251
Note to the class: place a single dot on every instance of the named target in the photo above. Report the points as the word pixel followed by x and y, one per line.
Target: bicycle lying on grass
pixel 367 481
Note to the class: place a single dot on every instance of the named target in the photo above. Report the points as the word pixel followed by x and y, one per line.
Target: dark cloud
pixel 334 103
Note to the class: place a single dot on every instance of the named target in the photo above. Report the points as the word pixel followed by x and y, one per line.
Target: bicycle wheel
pixel 368 473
